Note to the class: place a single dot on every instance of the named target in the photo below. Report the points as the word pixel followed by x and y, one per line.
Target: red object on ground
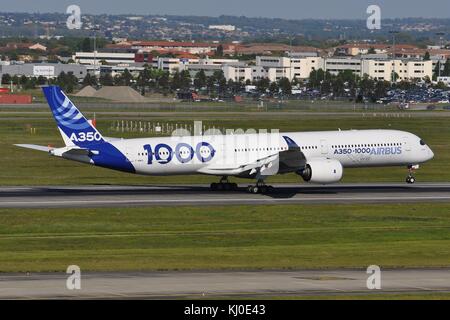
pixel 15 99
pixel 4 90
pixel 195 96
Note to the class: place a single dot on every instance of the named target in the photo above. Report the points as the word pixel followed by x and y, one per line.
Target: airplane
pixel 317 157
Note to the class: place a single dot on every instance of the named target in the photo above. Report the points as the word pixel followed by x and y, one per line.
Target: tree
pixel 143 80
pixel 175 83
pixel 163 82
pixel 6 78
pixel 285 86
pixel 220 80
pixel 372 51
pixel 427 56
pixel 41 80
pixel 185 80
pixel 200 79
pixel 67 81
pixel 106 79
pixel 273 88
pixel 126 77
pixel 89 80
pixel 86 45
pixel 446 72
pixel 219 51
pixel 262 85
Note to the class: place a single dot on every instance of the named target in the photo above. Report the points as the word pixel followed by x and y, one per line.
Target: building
pixel 357 49
pixel 173 46
pixel 194 65
pixel 46 70
pixel 113 58
pixel 223 27
pixel 238 73
pixel 270 48
pixel 24 46
pixel 336 65
pixel 405 69
pixel 445 80
pixel 275 68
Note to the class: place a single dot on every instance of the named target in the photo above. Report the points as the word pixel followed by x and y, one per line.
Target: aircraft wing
pixel 286 161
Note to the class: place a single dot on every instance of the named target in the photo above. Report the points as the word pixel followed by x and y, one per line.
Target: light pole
pixel 95 50
pixel 394 33
pixel 441 36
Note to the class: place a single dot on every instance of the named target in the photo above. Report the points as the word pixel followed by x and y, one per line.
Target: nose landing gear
pixel 411 179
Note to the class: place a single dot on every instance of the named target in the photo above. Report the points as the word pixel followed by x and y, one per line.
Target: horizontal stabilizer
pixel 34 147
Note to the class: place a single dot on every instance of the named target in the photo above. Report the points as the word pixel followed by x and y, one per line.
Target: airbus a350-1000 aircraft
pixel 318 157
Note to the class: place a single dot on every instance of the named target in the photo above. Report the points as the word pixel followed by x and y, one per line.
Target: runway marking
pixel 215 200
pixel 21 204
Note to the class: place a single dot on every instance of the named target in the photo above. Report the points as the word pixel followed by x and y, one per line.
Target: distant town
pixel 229 58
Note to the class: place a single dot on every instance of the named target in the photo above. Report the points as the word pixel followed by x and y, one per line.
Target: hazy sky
pixel 294 9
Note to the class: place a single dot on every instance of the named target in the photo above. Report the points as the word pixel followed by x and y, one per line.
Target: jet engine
pixel 322 171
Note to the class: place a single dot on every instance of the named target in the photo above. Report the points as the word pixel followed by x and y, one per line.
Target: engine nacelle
pixel 322 171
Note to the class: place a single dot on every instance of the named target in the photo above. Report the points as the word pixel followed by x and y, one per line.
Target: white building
pixel 223 27
pixel 381 68
pixel 170 64
pixel 445 80
pixel 275 68
pixel 193 65
pixel 237 73
pixel 89 58
pixel 337 65
pixel 405 69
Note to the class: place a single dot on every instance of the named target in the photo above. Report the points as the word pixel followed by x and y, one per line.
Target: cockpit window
pixel 422 143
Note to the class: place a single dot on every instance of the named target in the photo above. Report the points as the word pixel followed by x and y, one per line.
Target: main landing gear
pixel 224 185
pixel 411 179
pixel 260 187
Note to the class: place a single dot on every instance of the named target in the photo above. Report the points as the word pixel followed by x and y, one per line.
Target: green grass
pixel 236 237
pixel 27 167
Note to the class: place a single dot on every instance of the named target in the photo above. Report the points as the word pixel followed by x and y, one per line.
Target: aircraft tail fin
pixel 75 129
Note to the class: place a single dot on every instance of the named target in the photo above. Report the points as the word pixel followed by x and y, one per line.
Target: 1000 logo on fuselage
pixel 183 152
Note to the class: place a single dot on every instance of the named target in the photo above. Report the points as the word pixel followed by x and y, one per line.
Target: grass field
pixel 236 237
pixel 27 167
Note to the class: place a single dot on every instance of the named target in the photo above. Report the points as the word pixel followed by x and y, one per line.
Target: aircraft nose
pixel 430 153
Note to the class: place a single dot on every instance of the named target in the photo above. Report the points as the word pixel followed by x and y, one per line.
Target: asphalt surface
pixel 160 285
pixel 196 195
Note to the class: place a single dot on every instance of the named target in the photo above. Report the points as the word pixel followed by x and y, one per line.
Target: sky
pixel 290 9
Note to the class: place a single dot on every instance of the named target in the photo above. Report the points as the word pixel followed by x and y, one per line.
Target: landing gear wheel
pixel 260 188
pixel 255 190
pixel 224 185
pixel 410 180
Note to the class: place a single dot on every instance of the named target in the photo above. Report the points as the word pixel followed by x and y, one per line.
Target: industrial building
pixel 46 70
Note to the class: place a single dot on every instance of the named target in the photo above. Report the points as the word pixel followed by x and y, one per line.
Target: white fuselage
pixel 226 154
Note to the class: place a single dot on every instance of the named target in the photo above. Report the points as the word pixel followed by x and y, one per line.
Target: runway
pixel 197 195
pixel 161 285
